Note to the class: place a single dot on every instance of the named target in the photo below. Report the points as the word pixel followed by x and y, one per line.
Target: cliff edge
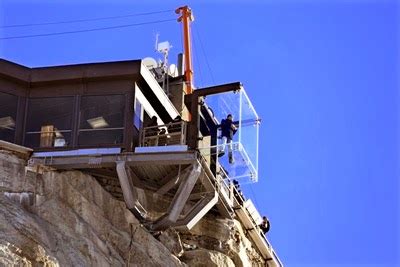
pixel 68 219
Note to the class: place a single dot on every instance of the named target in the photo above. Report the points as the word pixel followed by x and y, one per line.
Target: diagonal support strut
pixel 181 197
pixel 128 190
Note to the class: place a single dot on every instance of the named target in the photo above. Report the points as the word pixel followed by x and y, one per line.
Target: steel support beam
pixel 131 159
pixel 198 211
pixel 129 191
pixel 173 180
pixel 210 182
pixel 180 199
pixel 218 89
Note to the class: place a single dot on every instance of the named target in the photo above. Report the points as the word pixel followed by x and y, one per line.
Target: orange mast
pixel 186 17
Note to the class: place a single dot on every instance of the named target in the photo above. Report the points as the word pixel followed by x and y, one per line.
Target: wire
pixel 181 40
pixel 196 60
pixel 84 20
pixel 204 54
pixel 88 30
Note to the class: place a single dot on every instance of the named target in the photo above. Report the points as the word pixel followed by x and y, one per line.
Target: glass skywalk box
pixel 234 129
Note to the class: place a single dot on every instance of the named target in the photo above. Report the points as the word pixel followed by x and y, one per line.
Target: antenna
pixel 156 45
pixel 163 48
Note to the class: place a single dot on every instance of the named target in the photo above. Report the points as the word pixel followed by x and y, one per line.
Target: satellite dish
pixel 150 62
pixel 173 70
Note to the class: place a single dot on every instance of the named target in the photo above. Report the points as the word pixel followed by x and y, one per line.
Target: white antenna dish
pixel 173 70
pixel 150 62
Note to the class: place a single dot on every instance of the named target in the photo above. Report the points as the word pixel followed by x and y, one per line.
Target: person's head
pixel 178 118
pixel 265 219
pixel 235 182
pixel 229 117
pixel 154 118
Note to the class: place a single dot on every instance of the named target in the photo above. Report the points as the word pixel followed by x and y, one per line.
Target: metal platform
pixel 169 174
pixel 182 177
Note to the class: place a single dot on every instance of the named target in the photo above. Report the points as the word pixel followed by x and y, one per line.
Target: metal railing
pixel 227 188
pixel 233 198
pixel 164 135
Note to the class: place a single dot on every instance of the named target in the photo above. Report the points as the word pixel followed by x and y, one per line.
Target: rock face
pixel 207 258
pixel 68 219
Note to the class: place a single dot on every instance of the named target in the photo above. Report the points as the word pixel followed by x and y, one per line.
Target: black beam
pixel 212 90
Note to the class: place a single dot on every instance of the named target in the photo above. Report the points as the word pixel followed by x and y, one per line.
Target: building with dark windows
pixel 79 106
pixel 118 121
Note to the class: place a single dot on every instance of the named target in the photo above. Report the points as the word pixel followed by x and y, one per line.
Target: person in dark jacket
pixel 153 130
pixel 265 225
pixel 228 130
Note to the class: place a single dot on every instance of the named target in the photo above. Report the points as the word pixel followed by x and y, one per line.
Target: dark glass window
pixel 146 118
pixel 49 122
pixel 8 116
pixel 101 120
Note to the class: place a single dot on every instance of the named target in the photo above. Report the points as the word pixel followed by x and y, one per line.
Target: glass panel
pixel 138 119
pixel 8 116
pixel 101 137
pixel 249 128
pixel 101 120
pixel 235 148
pixel 49 122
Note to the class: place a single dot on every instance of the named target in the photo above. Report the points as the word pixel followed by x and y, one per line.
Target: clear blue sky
pixel 324 77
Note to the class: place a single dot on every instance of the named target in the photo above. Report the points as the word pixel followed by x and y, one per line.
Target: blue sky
pixel 323 75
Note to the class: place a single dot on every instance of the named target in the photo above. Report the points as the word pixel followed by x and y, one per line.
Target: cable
pixel 88 30
pixel 197 58
pixel 181 39
pixel 204 54
pixel 84 20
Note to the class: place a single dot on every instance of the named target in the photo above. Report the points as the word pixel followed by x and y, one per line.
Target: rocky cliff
pixel 68 219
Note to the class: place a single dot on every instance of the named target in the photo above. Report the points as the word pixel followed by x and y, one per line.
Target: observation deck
pixel 96 118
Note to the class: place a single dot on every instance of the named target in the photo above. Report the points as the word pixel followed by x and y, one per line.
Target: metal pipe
pixel 186 17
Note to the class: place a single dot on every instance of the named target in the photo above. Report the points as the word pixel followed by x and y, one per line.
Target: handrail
pixel 239 200
pixel 238 203
pixel 255 225
pixel 168 134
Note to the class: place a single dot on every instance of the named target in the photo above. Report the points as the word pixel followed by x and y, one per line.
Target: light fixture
pixel 98 122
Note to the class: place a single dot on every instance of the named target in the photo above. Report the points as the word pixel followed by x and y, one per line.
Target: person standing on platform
pixel 228 130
